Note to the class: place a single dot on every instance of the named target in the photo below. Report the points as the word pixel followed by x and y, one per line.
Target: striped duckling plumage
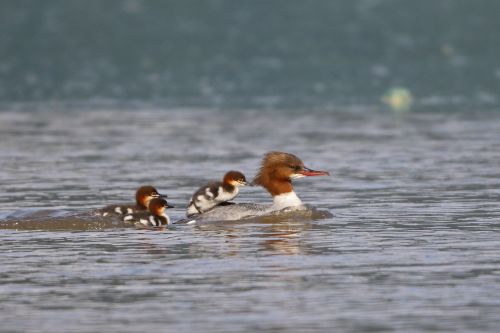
pixel 143 196
pixel 153 218
pixel 216 193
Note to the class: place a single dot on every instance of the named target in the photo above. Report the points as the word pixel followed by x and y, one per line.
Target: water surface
pixel 412 246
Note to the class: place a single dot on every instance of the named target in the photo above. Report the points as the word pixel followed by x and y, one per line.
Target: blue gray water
pixel 412 246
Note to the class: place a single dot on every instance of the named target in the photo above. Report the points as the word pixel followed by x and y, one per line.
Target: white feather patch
pixel 296 175
pixel 285 200
pixel 209 193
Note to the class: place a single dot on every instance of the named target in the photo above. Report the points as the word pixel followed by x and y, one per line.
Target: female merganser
pixel 276 174
pixel 143 196
pixel 155 217
pixel 216 193
pixel 277 171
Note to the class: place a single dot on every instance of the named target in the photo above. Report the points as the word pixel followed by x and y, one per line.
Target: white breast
pixel 226 196
pixel 285 200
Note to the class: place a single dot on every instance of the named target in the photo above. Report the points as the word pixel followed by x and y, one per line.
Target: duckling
pixel 155 217
pixel 216 193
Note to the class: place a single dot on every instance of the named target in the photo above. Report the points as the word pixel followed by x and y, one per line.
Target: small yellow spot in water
pixel 447 50
pixel 398 99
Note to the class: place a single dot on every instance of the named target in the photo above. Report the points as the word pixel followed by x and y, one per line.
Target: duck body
pixel 120 209
pixel 146 219
pixel 143 197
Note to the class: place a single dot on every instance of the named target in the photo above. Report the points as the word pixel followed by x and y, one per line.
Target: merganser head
pixel 145 194
pixel 235 178
pixel 278 169
pixel 157 206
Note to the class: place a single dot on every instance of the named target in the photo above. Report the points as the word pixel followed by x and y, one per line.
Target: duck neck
pixel 229 187
pixel 282 191
pixel 284 200
pixel 144 203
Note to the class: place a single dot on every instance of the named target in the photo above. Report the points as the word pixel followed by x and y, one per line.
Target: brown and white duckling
pixel 143 196
pixel 155 217
pixel 216 193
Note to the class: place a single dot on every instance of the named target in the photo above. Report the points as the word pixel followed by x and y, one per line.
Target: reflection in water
pixel 277 237
pixel 284 238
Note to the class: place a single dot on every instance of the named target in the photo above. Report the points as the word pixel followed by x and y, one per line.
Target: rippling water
pixel 412 246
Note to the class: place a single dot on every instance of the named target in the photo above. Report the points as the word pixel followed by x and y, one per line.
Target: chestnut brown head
pixel 157 206
pixel 278 169
pixel 145 194
pixel 235 178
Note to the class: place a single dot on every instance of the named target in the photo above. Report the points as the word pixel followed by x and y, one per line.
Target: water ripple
pixel 412 244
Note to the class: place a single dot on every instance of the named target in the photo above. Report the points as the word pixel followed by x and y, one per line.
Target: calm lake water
pixel 412 246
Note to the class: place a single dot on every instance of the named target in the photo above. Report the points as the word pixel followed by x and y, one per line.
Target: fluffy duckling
pixel 216 193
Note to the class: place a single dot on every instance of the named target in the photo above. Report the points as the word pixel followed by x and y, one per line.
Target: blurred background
pixel 277 54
